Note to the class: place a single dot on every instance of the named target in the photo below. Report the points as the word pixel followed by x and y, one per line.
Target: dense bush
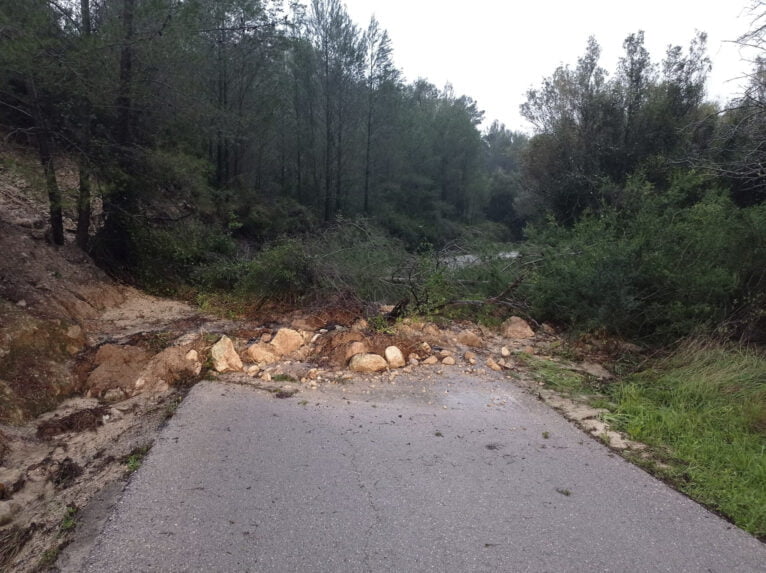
pixel 165 256
pixel 663 265
pixel 349 257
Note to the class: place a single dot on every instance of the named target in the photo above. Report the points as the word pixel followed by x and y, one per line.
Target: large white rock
pixel 261 354
pixel 394 357
pixel 286 341
pixel 225 357
pixel 355 348
pixel 469 338
pixel 517 328
pixel 368 363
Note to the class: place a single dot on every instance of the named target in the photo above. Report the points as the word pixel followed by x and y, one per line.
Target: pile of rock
pixel 425 344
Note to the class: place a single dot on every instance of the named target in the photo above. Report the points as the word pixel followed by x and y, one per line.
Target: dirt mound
pixel 332 348
pixel 35 357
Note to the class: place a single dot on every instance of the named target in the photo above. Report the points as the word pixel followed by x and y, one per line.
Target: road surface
pixel 454 474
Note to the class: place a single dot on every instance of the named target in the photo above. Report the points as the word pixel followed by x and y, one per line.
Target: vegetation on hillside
pixel 232 141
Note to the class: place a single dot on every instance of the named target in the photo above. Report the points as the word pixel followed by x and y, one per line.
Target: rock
pixel 444 353
pixel 225 358
pixel 505 352
pixel 448 361
pixel 631 348
pixel 266 337
pixel 517 328
pixel 413 356
pixel 286 341
pixel 431 360
pixel 8 510
pixel 253 370
pixel 596 370
pixel 469 356
pixel 117 368
pixel 261 353
pixel 77 339
pixel 425 347
pixel 368 363
pixel 114 395
pixel 468 338
pixel 432 330
pixel 492 365
pixel 266 377
pixel 168 367
pixel 360 325
pixel 192 355
pixel 354 348
pixel 312 374
pixel 394 357
pixel 334 346
pixel 548 328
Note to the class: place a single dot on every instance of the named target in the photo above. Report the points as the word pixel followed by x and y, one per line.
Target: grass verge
pixel 702 411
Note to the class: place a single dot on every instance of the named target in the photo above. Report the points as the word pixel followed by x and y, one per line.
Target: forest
pixel 261 149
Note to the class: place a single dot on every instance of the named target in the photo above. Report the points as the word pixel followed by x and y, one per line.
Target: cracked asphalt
pixel 458 473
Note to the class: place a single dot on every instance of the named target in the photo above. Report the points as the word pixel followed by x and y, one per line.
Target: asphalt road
pixel 457 474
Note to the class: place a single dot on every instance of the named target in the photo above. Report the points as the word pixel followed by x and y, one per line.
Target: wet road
pixel 455 474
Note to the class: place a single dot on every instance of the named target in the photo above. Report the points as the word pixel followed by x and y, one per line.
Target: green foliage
pixel 357 257
pixel 134 460
pixel 281 271
pixel 69 521
pixel 661 267
pixel 165 256
pixel 703 412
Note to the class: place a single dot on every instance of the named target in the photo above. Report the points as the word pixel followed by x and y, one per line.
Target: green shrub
pixel 357 257
pixel 661 266
pixel 281 271
pixel 169 255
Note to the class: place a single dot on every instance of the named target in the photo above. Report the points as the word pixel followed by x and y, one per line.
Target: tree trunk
pixel 83 205
pixel 339 158
pixel 84 196
pixel 368 153
pixel 44 150
pixel 328 143
pixel 124 96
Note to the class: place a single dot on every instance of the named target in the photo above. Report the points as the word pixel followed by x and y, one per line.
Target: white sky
pixel 494 50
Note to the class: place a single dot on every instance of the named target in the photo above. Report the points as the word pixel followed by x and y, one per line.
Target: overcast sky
pixel 494 50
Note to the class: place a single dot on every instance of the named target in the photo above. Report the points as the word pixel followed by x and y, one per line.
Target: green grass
pixel 69 521
pixel 134 460
pixel 703 413
pixel 554 375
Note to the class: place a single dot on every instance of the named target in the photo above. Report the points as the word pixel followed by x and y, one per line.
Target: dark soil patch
pixel 84 364
pixel 66 472
pixel 3 447
pixel 379 342
pixel 282 394
pixel 251 334
pixel 12 540
pixel 88 419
